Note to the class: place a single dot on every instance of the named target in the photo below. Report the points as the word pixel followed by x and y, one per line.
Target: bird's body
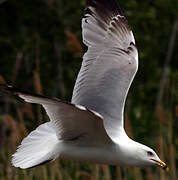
pixel 104 153
pixel 91 127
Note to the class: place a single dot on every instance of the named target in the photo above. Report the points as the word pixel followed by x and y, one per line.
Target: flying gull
pixel 91 127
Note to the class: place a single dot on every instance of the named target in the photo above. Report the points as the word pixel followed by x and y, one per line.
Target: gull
pixel 91 127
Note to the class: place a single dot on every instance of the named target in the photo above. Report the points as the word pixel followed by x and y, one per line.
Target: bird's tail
pixel 39 147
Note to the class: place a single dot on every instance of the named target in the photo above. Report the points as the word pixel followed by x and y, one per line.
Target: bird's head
pixel 149 158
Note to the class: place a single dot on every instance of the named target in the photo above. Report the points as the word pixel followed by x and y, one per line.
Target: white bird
pixel 91 127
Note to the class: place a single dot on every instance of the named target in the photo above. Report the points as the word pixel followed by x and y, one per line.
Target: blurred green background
pixel 41 50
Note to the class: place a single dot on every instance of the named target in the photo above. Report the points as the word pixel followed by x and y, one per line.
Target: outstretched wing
pixel 71 122
pixel 108 66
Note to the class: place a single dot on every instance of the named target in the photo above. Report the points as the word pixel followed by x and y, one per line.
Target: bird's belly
pixel 101 155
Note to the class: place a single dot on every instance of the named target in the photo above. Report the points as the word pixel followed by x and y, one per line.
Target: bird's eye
pixel 149 153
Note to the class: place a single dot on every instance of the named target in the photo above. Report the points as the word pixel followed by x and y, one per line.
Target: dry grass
pixel 73 43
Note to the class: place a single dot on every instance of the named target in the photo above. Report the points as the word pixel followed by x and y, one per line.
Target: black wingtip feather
pixel 88 11
pixel 5 87
pixel 16 91
pixel 110 5
pixel 90 3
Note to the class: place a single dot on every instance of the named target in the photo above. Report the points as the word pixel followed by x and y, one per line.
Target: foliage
pixel 41 50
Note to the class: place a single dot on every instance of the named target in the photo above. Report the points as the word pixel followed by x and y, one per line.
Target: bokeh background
pixel 41 50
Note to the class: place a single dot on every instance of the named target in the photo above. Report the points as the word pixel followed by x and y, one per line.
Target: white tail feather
pixel 40 146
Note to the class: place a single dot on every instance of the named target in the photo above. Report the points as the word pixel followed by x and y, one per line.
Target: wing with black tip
pixel 109 65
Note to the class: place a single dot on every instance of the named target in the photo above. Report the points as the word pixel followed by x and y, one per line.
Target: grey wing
pixel 109 65
pixel 71 122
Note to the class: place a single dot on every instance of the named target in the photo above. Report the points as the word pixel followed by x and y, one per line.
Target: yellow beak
pixel 161 164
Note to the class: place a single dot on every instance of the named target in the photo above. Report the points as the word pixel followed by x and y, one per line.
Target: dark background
pixel 41 50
